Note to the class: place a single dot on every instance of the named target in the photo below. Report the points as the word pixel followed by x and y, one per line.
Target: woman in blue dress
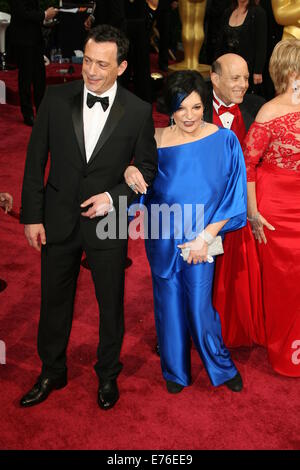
pixel 199 166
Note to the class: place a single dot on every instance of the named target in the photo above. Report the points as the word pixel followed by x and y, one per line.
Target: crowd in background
pixel 254 40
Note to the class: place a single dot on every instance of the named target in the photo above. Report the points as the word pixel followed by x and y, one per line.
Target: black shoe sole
pixel 174 387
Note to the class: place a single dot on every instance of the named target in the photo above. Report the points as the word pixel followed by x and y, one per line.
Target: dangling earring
pixel 172 122
pixel 203 123
pixel 296 94
pixel 295 85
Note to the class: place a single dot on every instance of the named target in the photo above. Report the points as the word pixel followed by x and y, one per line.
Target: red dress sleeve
pixel 254 146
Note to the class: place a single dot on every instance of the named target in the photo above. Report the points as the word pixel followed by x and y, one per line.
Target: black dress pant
pixel 30 61
pixel 59 273
pixel 163 25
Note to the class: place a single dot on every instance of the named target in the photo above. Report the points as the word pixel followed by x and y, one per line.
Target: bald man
pixel 237 294
pixel 229 77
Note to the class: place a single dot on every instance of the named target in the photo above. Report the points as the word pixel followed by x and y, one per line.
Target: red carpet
pixel 264 416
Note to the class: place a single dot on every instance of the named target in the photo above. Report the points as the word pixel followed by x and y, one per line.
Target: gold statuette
pixel 287 13
pixel 192 18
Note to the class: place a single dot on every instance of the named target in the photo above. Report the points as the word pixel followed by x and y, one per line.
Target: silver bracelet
pixel 206 236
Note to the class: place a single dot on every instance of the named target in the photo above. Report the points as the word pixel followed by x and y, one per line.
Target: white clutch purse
pixel 214 248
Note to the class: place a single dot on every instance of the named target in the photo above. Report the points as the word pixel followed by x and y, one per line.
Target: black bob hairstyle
pixel 180 85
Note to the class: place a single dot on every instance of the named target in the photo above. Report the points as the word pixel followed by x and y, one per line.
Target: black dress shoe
pixel 41 390
pixel 235 384
pixel 174 387
pixel 108 394
pixel 29 120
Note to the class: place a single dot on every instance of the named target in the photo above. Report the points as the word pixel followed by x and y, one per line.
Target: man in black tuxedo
pixel 26 38
pixel 93 130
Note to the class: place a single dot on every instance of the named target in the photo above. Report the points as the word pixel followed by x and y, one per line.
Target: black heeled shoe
pixel 235 384
pixel 174 387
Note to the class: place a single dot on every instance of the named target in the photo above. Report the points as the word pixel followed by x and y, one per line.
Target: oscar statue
pixel 192 18
pixel 287 13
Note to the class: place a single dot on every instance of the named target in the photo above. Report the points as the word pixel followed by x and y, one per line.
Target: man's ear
pixel 214 79
pixel 122 67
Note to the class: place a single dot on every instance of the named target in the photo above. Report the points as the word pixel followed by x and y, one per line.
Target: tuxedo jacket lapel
pixel 77 116
pixel 247 117
pixel 116 112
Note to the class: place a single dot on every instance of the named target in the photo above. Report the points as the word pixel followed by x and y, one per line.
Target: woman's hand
pixel 199 249
pixel 258 222
pixel 135 180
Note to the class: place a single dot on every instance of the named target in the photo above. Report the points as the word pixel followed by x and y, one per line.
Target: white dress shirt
pixel 225 118
pixel 94 120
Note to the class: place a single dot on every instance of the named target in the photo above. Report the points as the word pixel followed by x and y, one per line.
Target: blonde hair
pixel 284 61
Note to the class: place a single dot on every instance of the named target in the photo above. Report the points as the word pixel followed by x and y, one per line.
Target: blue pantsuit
pixel 183 309
pixel 211 172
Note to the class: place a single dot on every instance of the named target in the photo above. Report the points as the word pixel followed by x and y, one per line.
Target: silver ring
pixel 132 186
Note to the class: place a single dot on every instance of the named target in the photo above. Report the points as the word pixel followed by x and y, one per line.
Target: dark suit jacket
pixel 110 12
pixel 164 5
pixel 249 108
pixel 127 134
pixel 26 22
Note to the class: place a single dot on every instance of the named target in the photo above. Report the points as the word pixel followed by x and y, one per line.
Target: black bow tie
pixel 92 99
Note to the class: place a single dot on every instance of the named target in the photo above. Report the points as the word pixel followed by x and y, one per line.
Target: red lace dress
pixel 272 155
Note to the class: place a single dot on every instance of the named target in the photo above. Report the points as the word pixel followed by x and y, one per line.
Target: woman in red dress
pixel 272 154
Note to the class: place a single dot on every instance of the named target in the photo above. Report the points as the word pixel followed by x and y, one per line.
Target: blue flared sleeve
pixel 233 204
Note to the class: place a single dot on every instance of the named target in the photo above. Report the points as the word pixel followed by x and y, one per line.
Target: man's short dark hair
pixel 180 85
pixel 107 33
pixel 216 67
